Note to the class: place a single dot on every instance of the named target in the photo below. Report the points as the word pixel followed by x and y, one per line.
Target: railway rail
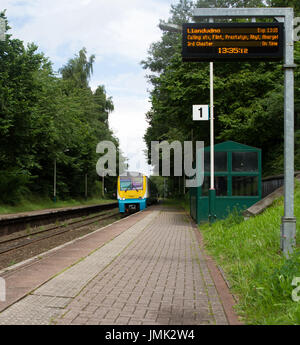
pixel 32 241
pixel 17 222
pixel 25 240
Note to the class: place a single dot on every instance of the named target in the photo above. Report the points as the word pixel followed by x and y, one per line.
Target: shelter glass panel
pixel 244 161
pixel 220 185
pixel 245 185
pixel 220 161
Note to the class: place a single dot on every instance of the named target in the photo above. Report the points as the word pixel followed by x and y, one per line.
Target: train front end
pixel 132 193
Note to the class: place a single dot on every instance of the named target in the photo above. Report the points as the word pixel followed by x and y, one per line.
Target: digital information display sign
pixel 232 41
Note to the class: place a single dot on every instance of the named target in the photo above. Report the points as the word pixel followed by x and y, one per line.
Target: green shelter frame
pixel 238 181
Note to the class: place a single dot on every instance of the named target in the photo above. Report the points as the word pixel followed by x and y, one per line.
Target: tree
pixel 104 103
pixel 286 3
pixel 19 91
pixel 43 118
pixel 79 69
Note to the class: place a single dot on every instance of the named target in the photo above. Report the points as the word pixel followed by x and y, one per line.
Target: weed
pixel 12 262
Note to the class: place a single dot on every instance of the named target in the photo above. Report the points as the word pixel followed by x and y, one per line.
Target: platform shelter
pixel 237 179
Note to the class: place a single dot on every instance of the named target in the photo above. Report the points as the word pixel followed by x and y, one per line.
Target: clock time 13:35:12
pixel 233 50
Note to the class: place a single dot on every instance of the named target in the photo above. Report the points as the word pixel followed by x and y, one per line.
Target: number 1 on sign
pixel 200 112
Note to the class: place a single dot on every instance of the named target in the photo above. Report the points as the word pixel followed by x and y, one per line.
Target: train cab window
pixel 137 183
pixel 131 183
pixel 125 184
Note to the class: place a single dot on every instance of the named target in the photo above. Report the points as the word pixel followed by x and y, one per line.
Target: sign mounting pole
pixel 212 191
pixel 288 224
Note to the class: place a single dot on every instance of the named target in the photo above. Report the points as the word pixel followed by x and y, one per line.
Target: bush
pixel 13 186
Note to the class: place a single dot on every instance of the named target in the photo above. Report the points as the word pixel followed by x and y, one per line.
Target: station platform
pixel 147 269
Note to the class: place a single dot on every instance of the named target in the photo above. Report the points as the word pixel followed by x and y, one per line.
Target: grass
pixel 34 204
pixel 259 275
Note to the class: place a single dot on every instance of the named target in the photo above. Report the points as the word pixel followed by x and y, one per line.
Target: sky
pixel 119 33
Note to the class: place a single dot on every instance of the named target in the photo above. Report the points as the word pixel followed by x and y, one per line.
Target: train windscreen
pixel 131 183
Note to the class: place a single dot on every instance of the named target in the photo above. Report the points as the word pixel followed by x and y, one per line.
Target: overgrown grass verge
pixel 259 275
pixel 34 204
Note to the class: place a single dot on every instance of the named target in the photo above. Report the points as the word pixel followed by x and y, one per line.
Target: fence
pixel 271 183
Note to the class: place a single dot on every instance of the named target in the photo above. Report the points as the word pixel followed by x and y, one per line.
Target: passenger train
pixel 135 192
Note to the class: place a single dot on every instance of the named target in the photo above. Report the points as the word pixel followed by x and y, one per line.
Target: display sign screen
pixel 232 41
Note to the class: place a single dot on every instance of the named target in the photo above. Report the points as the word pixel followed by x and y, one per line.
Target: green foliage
pixel 78 70
pixel 283 276
pixel 13 185
pixel 158 182
pixel 45 117
pixel 229 3
pixel 286 3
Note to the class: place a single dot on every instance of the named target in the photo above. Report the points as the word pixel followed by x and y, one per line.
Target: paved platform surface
pixel 48 211
pixel 152 273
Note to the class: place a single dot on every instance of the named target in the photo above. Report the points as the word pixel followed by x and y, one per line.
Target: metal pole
pixel 288 225
pixel 212 191
pixel 212 161
pixel 54 182
pixel 103 185
pixel 85 186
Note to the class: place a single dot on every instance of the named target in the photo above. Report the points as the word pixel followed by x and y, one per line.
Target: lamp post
pixel 86 187
pixel 103 190
pixel 172 28
pixel 54 182
pixel 212 191
pixel 54 178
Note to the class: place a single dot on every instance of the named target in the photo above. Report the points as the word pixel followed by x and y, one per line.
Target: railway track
pixel 25 240
pixel 10 224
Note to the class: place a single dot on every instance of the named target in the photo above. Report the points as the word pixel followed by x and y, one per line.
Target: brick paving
pixel 154 273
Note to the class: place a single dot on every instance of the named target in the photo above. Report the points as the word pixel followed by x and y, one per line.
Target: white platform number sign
pixel 200 112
